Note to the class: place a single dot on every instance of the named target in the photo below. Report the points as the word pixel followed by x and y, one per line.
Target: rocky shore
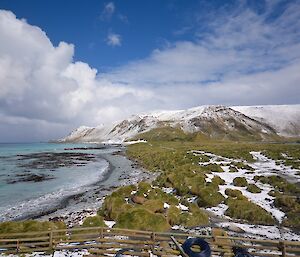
pixel 121 172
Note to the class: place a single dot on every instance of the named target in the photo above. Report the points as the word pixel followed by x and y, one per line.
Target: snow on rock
pixel 285 119
pixel 257 119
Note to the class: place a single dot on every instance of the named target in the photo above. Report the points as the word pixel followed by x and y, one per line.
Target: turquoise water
pixel 20 200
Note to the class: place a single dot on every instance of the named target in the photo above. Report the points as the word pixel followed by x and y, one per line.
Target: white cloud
pixel 114 39
pixel 39 82
pixel 244 60
pixel 108 11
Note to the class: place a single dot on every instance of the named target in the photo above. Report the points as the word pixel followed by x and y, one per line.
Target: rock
pixel 138 199
pixel 234 228
pixel 29 178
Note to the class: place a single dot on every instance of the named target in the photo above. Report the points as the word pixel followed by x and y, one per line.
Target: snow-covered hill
pixel 262 121
pixel 285 119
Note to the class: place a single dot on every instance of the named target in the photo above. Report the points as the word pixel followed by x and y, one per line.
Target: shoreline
pixel 121 171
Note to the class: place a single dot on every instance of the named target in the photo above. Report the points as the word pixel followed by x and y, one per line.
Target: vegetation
pixel 240 182
pixel 94 221
pixel 233 169
pixel 29 226
pixel 170 152
pixel 209 197
pixel 195 217
pixel 233 193
pixel 252 188
pixel 213 167
pixel 218 181
pixel 242 165
pixel 280 184
pixel 179 168
pixel 245 210
pixel 142 219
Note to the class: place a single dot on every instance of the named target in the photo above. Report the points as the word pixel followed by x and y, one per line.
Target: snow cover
pixel 182 207
pixel 166 206
pixel 284 119
pixel 109 223
pixel 263 166
pixel 271 232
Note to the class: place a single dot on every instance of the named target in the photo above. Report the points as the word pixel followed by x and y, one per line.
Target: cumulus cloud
pixel 114 39
pixel 245 59
pixel 41 85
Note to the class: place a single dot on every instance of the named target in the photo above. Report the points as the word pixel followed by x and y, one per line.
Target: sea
pixel 36 178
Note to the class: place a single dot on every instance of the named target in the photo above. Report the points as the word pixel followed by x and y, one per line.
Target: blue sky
pixel 70 63
pixel 143 26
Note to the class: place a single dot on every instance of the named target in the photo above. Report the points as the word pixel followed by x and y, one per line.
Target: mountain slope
pixel 252 122
pixel 285 119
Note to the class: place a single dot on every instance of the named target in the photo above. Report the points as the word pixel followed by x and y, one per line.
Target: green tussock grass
pixel 245 210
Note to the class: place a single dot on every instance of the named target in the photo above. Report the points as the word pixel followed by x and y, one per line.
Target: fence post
pixel 101 233
pixel 51 240
pixel 18 246
pixel 282 248
pixel 153 240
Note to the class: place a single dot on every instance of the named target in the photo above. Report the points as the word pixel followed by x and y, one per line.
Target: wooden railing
pixel 107 241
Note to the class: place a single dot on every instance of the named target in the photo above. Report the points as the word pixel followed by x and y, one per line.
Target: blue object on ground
pixel 205 248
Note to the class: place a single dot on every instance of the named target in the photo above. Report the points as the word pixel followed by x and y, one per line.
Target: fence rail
pixel 101 241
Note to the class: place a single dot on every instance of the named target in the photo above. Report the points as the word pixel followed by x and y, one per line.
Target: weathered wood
pixel 106 238
pixel 126 241
pixel 23 244
pixel 108 246
pixel 179 248
pixel 28 250
pixel 24 239
pixel 292 249
pixel 250 239
pixel 23 234
pixel 50 240
pixel 96 251
pixel 264 254
pixel 246 246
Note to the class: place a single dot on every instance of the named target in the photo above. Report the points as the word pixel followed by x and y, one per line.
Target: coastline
pixel 121 171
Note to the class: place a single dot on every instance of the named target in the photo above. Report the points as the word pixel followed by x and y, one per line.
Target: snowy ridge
pixel 283 120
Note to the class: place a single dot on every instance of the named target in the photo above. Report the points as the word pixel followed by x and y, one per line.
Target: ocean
pixel 35 178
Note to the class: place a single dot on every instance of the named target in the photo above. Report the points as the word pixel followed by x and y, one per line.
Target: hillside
pixel 238 122
pixel 285 119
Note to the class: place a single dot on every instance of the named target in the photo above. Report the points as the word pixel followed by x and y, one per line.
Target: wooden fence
pixel 100 241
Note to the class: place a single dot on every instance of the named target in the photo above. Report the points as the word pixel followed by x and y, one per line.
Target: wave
pixel 50 202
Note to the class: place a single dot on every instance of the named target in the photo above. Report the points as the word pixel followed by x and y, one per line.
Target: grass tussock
pixel 245 210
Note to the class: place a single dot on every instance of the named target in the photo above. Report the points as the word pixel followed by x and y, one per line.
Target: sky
pixel 69 63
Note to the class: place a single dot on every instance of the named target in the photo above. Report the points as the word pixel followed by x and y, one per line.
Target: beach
pixel 62 181
pixel 121 172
